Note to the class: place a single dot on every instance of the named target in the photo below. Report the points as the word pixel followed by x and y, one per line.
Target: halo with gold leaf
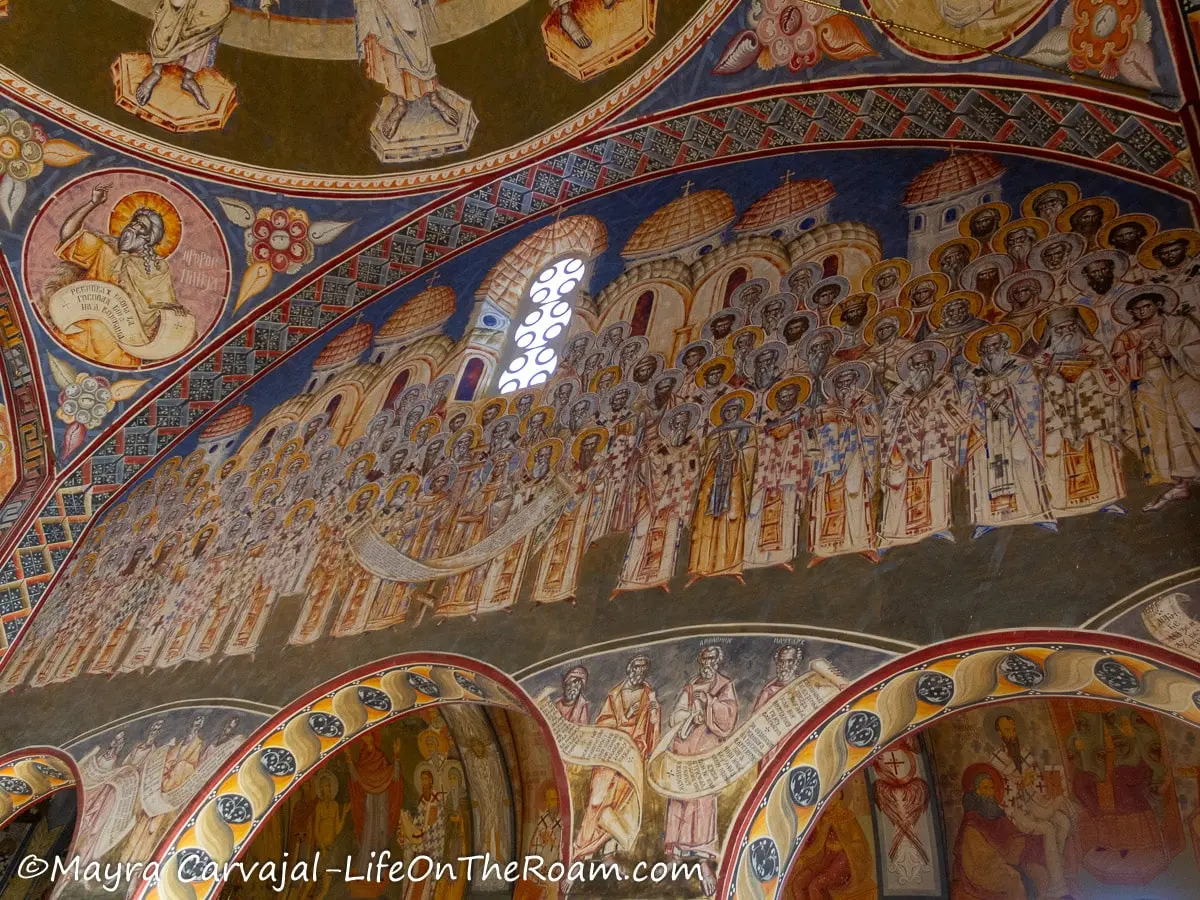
pixel 1108 211
pixel 1146 251
pixel 971 348
pixel 556 452
pixel 122 214
pixel 304 511
pixel 836 317
pixel 1085 312
pixel 370 489
pixel 1070 190
pixel 973 298
pixel 747 398
pixel 940 283
pixel 800 382
pixel 902 266
pixel 577 444
pixel 727 365
pixel 1147 222
pixel 903 317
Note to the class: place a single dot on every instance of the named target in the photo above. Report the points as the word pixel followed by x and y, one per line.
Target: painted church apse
pixel 758 439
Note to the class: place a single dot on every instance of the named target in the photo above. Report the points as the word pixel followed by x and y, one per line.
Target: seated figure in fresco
pixel 993 860
pixel 837 862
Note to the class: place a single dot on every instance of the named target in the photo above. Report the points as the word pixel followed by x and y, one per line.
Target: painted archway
pixel 920 689
pixel 218 825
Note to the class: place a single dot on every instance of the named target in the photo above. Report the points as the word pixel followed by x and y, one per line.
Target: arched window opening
pixel 266 441
pixel 641 313
pixel 548 309
pixel 918 222
pixel 332 407
pixel 951 215
pixel 398 385
pixel 737 278
pixel 472 373
pixel 829 266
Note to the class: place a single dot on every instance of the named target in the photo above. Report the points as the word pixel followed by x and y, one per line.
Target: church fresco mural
pixel 612 430
pixel 137 775
pixel 781 404
pixel 44 831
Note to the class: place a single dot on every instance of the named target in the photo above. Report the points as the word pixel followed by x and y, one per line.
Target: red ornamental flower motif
pixel 279 237
pixel 787 31
pixel 1102 33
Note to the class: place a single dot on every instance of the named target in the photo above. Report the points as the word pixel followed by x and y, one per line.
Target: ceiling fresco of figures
pixel 611 430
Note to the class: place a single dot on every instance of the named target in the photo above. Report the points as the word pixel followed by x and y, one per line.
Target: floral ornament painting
pixel 85 400
pixel 1109 37
pixel 794 34
pixel 277 240
pixel 24 152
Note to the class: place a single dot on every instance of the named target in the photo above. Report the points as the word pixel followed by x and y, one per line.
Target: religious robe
pixel 773 525
pixel 376 795
pixel 664 503
pixel 844 472
pixel 100 260
pixel 558 571
pixel 921 436
pixel 719 523
pixel 1083 395
pixel 836 862
pixel 692 824
pixel 635 712
pixel 394 46
pixel 1005 460
pixel 186 32
pixel 986 855
pixel 1165 390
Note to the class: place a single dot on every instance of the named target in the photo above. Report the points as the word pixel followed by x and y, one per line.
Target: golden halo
pixel 412 480
pixel 368 457
pixel 1039 227
pixel 123 212
pixel 759 336
pixel 896 312
pixel 593 387
pixel 577 445
pixel 941 285
pixel 1085 312
pixel 714 415
pixel 547 411
pixel 472 429
pixel 902 265
pixel 171 464
pixel 971 349
pixel 1146 251
pixel 304 506
pixel 495 401
pixel 1004 210
pixel 835 317
pixel 726 364
pixel 804 385
pixel 432 420
pixel 556 452
pixel 370 488
pixel 1067 187
pixel 1108 211
pixel 935 312
pixel 972 245
pixel 1148 222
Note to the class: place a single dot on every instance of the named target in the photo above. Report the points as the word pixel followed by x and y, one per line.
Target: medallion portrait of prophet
pixel 126 270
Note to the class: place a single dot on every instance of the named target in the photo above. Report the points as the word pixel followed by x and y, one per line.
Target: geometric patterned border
pixel 32 774
pixel 923 688
pixel 1001 118
pixel 219 824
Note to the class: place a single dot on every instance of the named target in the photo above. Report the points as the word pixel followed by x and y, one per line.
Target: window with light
pixel 536 341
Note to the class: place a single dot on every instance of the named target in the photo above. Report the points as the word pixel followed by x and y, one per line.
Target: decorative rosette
pixel 794 34
pixel 84 400
pixel 25 151
pixel 278 239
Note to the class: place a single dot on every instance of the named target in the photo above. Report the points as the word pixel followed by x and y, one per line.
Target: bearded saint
pixel 922 427
pixel 836 861
pixel 632 709
pixel 558 572
pixel 845 467
pixel 376 797
pixel 1005 458
pixel 572 705
pixel 726 470
pixel 1084 395
pixel 1159 354
pixel 993 860
pixel 773 525
pixel 663 508
pixel 704 716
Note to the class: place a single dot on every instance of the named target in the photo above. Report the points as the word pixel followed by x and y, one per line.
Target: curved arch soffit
pixel 919 690
pixel 33 774
pixel 219 825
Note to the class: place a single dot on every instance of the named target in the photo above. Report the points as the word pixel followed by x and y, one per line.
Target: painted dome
pixel 785 203
pixel 229 422
pixel 951 176
pixel 346 346
pixel 505 284
pixel 430 307
pixel 681 222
